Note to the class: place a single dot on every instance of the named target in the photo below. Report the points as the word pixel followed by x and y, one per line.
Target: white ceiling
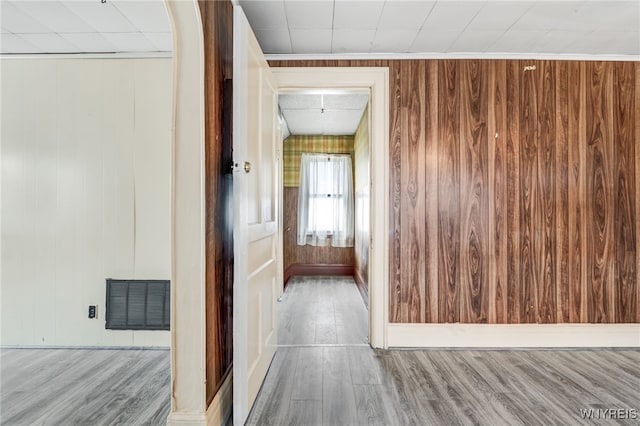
pixel 322 113
pixel 84 26
pixel 586 27
pixel 308 27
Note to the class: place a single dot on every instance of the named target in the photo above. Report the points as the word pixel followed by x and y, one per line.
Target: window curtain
pixel 325 201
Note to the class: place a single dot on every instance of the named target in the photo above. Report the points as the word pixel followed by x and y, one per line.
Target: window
pixel 325 201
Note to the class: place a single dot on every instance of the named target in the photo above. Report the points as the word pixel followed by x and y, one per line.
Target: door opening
pixel 375 83
pixel 325 216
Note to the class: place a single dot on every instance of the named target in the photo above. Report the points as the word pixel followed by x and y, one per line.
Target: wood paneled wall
pixel 362 185
pixel 514 193
pixel 217 21
pixel 307 255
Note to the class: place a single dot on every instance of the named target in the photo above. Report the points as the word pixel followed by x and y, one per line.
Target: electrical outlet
pixel 93 311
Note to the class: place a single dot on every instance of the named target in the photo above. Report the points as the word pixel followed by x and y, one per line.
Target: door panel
pixel 255 226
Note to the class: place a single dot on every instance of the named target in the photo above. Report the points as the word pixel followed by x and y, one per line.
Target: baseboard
pixel 178 418
pixel 221 407
pixel 513 335
pixel 323 269
pixel 363 288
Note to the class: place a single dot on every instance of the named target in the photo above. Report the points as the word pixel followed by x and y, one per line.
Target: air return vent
pixel 137 304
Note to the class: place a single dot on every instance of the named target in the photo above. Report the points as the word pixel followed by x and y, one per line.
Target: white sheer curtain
pixel 325 201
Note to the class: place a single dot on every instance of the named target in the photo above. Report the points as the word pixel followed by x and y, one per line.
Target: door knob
pixel 247 167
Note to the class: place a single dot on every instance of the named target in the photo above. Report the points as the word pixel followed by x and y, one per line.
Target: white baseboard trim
pixel 186 418
pixel 221 407
pixel 513 335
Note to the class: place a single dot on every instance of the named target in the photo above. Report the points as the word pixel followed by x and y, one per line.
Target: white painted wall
pixel 86 195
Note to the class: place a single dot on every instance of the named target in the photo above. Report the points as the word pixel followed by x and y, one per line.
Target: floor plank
pixel 84 386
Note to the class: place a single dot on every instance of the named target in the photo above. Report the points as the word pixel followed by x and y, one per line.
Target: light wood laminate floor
pixel 84 387
pixel 322 310
pixel 352 384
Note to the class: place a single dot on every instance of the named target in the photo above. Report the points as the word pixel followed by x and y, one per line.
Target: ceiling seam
pixel 333 24
pixel 286 19
pixel 465 27
pixel 426 18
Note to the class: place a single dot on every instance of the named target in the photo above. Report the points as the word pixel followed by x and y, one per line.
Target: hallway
pixel 322 310
pixel 326 375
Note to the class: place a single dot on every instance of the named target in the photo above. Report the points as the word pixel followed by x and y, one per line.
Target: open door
pixel 255 193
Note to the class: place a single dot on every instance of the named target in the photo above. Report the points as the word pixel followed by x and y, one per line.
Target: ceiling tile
pixel 146 16
pixel 265 14
pixel 602 42
pixel 451 15
pixel 299 101
pixel 274 41
pixel 351 101
pixel 311 41
pixel 309 14
pixel 404 15
pixel 11 43
pixel 499 15
pixel 343 122
pixel 130 42
pixel 621 16
pixel 51 43
pixel 55 16
pixel 393 40
pixel 17 21
pixel 89 42
pixel 555 41
pixel 548 15
pixel 439 41
pixel 303 122
pixel 352 41
pixel 475 41
pixel 515 41
pixel 103 17
pixel 162 41
pixel 357 15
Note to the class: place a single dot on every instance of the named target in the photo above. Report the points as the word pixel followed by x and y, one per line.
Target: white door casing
pixel 376 82
pixel 255 194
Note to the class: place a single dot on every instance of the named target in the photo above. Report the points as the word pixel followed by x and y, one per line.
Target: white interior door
pixel 255 193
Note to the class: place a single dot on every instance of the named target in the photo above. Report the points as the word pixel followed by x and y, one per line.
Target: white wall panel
pixel 86 147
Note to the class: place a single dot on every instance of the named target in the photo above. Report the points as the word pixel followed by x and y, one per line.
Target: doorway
pixel 325 217
pixel 373 81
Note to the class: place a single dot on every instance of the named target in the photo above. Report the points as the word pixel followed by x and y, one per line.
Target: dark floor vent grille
pixel 137 304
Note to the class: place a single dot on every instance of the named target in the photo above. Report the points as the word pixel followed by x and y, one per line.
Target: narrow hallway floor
pixel 322 310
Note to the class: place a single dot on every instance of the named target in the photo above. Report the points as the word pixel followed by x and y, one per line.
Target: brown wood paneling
pixel 513 189
pixel 307 255
pixel 497 172
pixel 624 193
pixel 529 273
pixel 599 207
pixel 562 192
pixel 577 196
pixel 431 193
pixel 474 183
pixel 317 269
pixel 637 198
pixel 217 22
pixel 537 195
pixel 395 259
pixel 412 180
pixel 537 224
pixel 547 180
pixel 448 191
